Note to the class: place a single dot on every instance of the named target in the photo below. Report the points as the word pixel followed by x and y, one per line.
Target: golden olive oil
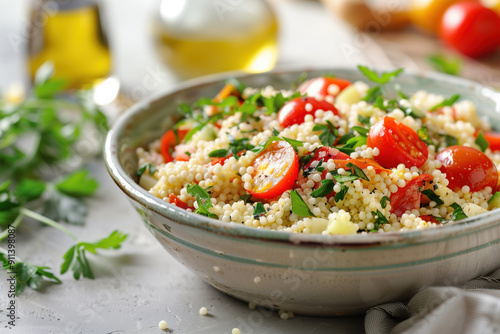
pixel 72 38
pixel 233 41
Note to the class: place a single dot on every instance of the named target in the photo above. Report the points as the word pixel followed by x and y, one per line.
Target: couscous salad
pixel 331 156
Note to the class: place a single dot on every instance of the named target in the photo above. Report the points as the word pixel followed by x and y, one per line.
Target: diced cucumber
pixel 349 96
pixel 207 133
pixel 318 225
pixel 471 209
pixel 494 202
pixel 147 181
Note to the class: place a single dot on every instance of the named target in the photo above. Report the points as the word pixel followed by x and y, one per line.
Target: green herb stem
pixel 15 224
pixel 47 221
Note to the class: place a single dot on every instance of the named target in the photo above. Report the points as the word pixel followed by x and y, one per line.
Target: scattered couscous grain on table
pixel 330 157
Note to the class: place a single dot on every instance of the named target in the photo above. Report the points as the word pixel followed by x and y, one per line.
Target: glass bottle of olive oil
pixel 69 33
pixel 197 37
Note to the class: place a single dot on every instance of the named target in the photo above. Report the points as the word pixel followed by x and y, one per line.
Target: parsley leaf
pixel 27 274
pixel 299 207
pixel 372 94
pixel 380 220
pixel 328 133
pixel 341 194
pixel 449 140
pixel 203 200
pixel 245 198
pixel 362 131
pixel 446 103
pixel 274 103
pixel 383 202
pixel 325 189
pixel 240 86
pixel 423 134
pixel 221 153
pixel 78 184
pixel 262 146
pixel 28 190
pixel 383 78
pixel 482 142
pixel 75 258
pixel 259 210
pixel 364 120
pixel 458 212
pixel 150 167
pixel 432 196
pixel 445 64
pixel 355 170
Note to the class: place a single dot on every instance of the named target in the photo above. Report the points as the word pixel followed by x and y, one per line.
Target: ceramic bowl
pixel 307 274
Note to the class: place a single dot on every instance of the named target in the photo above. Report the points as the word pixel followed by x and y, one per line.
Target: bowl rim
pixel 174 213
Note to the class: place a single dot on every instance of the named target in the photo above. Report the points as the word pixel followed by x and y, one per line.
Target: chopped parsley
pixel 383 202
pixel 150 167
pixel 203 200
pixel 432 196
pixel 449 140
pixel 259 210
pixel 447 102
pixel 458 212
pixel 423 134
pixel 445 64
pixel 328 133
pixel 382 78
pixel 325 189
pixel 482 142
pixel 299 207
pixel 380 220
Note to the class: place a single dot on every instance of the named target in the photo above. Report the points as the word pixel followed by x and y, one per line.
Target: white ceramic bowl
pixel 306 274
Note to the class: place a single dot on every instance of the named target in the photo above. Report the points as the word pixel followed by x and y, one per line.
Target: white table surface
pixel 141 284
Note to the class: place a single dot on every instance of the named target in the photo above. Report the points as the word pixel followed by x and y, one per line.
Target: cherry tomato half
pixel 470 28
pixel 323 86
pixel 169 141
pixel 276 170
pixel 466 166
pixel 397 143
pixel 493 139
pixel 409 197
pixel 429 219
pixel 295 110
pixel 177 202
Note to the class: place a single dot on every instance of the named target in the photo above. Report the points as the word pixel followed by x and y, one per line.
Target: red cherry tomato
pixel 177 202
pixel 169 141
pixel 493 139
pixel 466 166
pixel 276 170
pixel 409 197
pixel 397 143
pixel 321 86
pixel 294 111
pixel 429 219
pixel 326 153
pixel 471 28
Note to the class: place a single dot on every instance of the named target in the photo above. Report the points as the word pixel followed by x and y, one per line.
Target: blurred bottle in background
pixel 198 37
pixel 70 34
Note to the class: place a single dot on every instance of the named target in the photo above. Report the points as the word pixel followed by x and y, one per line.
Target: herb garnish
pixel 325 189
pixel 235 147
pixel 445 64
pixel 432 196
pixel 299 207
pixel 328 133
pixel 449 140
pixel 380 220
pixel 482 142
pixel 259 210
pixel 381 79
pixel 150 167
pixel 423 134
pixel 383 202
pixel 202 199
pixel 447 102
pixel 458 212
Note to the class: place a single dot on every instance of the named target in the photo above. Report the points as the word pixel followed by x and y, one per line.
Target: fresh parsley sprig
pixel 299 207
pixel 481 141
pixel 203 199
pixel 328 133
pixel 447 102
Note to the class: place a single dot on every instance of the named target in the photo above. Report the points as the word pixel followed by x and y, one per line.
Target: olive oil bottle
pixel 69 33
pixel 198 37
